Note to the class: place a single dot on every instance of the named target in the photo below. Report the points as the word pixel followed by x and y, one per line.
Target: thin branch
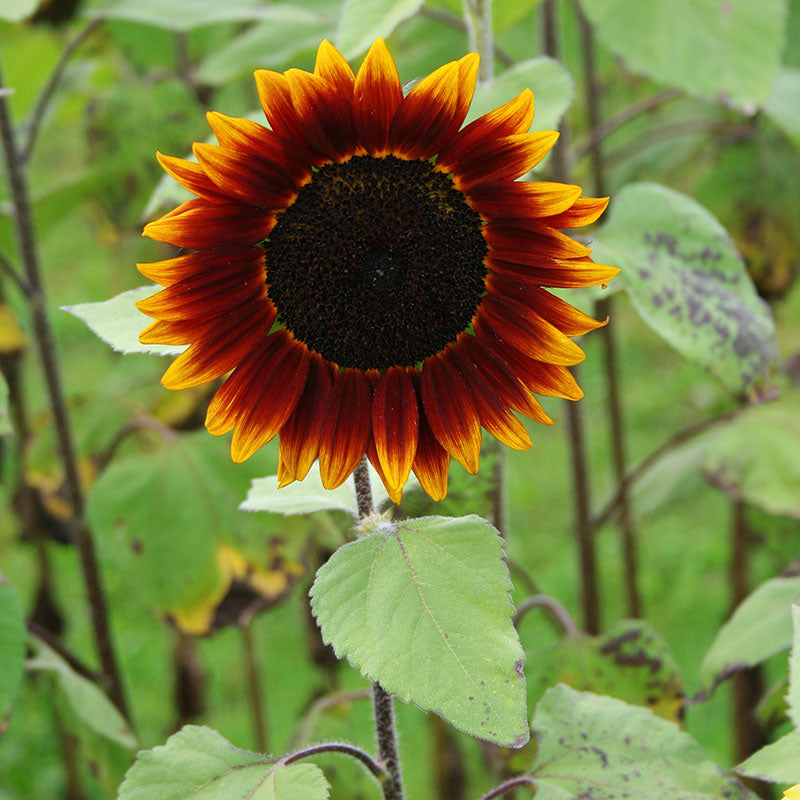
pixel 555 610
pixel 454 21
pixel 602 130
pixel 55 644
pixel 50 87
pixel 23 215
pixel 346 749
pixel 18 278
pixel 634 474
pixel 257 701
pixel 521 780
pixel 128 429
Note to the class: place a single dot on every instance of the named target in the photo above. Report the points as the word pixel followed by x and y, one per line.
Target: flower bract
pixel 372 273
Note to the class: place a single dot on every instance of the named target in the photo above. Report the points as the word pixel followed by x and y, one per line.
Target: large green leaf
pixel 723 50
pixel 754 457
pixel 85 698
pixel 793 696
pixel 423 608
pixel 363 21
pixel 688 282
pixel 778 762
pixel 630 661
pixel 760 627
pixel 290 30
pixel 309 495
pixel 12 646
pixel 118 322
pixel 601 748
pixel 550 82
pixel 182 15
pixel 783 104
pixel 199 763
pixel 16 10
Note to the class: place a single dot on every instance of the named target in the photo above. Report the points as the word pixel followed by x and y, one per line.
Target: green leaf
pixel 181 15
pixel 423 608
pixel 290 30
pixel 600 747
pixel 760 627
pixel 754 457
pixel 309 495
pixel 363 21
pixel 783 104
pixel 793 696
pixel 551 84
pixel 17 10
pixel 12 646
pixel 688 282
pixel 197 762
pixel 778 762
pixel 722 50
pixel 86 699
pixel 5 418
pixel 630 661
pixel 506 13
pixel 118 322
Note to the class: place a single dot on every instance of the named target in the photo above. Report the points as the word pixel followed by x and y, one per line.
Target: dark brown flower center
pixel 378 262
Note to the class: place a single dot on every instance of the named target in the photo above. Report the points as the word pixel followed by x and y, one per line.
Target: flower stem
pixel 478 23
pixel 381 700
pixel 604 309
pixel 582 523
pixel 47 351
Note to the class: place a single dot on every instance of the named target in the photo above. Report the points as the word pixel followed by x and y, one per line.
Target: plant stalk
pixel 47 351
pixel 382 704
pixel 257 699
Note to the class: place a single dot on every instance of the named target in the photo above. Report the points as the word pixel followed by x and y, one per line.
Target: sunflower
pixel 371 272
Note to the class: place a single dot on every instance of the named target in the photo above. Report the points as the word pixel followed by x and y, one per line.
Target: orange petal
pixel 534 237
pixel 562 315
pixel 546 379
pixel 202 225
pixel 522 199
pixel 236 133
pixel 220 349
pixel 299 437
pixel 584 211
pixel 451 412
pixel 473 356
pixel 345 437
pixel 376 98
pixel 247 177
pixel 332 66
pixel 191 176
pixel 543 271
pixel 326 116
pixel 264 412
pixel 395 493
pixel 432 112
pixel 528 332
pixel 512 118
pixel 432 461
pixel 395 426
pixel 503 159
pixel 494 415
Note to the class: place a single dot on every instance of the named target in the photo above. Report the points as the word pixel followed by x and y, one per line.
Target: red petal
pixel 433 111
pixel 451 412
pixel 502 159
pixel 173 270
pixel 346 435
pixel 395 426
pixel 512 118
pixel 532 237
pixel 191 176
pixel 528 332
pixel 432 461
pixel 544 271
pixel 299 437
pixel 584 211
pixel 494 415
pixel 377 96
pixel 202 225
pixel 522 199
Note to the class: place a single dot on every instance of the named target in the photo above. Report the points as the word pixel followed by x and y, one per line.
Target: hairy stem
pixel 554 609
pixel 47 351
pixel 381 700
pixel 604 309
pixel 507 786
pixel 340 747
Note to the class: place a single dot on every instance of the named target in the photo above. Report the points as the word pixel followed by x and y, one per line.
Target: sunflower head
pixel 372 272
